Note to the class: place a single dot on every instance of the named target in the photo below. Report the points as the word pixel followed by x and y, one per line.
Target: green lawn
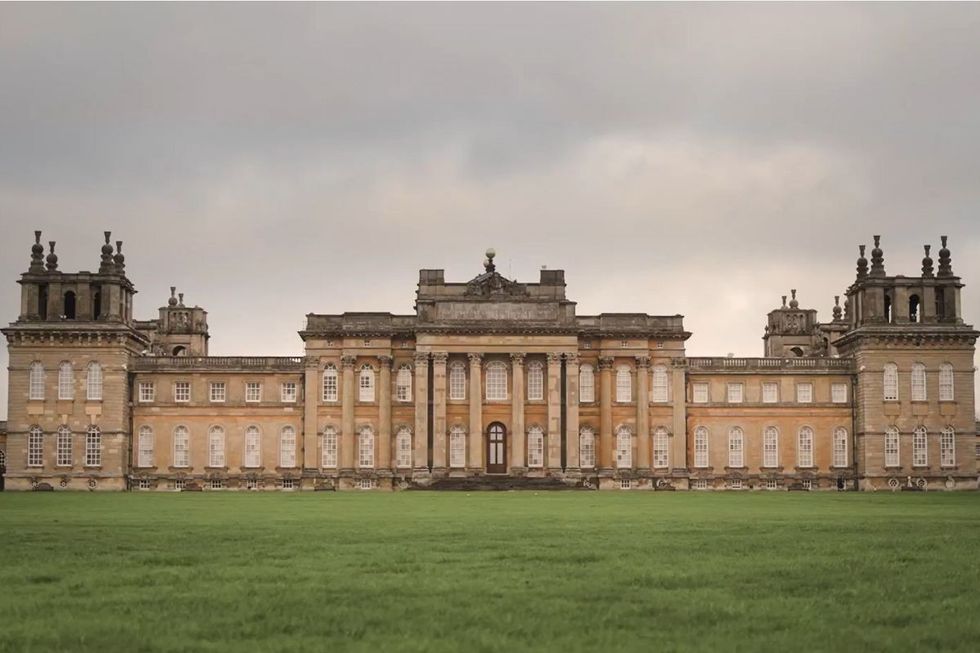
pixel 569 571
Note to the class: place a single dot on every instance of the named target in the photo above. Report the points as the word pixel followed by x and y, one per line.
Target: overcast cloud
pixel 702 159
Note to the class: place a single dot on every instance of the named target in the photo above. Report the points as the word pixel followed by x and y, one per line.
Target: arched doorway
pixel 496 449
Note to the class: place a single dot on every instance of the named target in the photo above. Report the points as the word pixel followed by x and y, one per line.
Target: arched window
pixel 144 455
pixel 892 458
pixel 180 350
pixel 403 384
pixel 840 447
pixel 365 384
pixel 182 447
pixel 770 447
pixel 805 448
pixel 914 308
pixel 947 447
pixel 701 446
pixel 890 382
pixel 63 447
pixel 35 447
pixel 36 381
pixel 287 447
pixel 253 446
pixel 624 448
pixel 586 447
pixel 535 381
pixel 920 447
pixel 535 447
pixel 736 451
pixel 457 380
pixel 93 447
pixel 216 447
pixel 496 381
pixel 69 306
pixel 403 448
pixel 93 382
pixel 586 384
pixel 457 447
pixel 661 448
pixel 888 308
pixel 66 381
pixel 945 382
pixel 624 384
pixel 918 382
pixel 365 448
pixel 330 383
pixel 328 452
pixel 659 386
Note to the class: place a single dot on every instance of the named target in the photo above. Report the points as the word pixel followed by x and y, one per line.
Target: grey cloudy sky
pixel 700 159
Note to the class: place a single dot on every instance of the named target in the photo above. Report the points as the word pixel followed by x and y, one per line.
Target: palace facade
pixel 490 383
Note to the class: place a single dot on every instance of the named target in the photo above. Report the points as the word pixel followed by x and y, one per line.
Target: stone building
pixel 493 383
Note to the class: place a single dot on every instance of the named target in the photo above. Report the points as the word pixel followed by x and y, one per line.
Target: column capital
pixel 347 361
pixel 518 358
pixel 440 357
pixel 422 359
pixel 475 358
pixel 554 358
pixel 606 363
pixel 571 357
pixel 385 361
pixel 642 361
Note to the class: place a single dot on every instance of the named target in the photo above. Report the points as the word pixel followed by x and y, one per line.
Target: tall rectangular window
pixel 93 447
pixel 403 448
pixel 770 393
pixel 253 392
pixel 535 447
pixel 182 447
pixel 805 447
pixel 535 381
pixel 945 382
pixel 457 448
pixel 889 378
pixel 736 442
pixel 701 447
pixel 35 447
pixel 64 450
pixel 218 391
pixel 891 447
pixel 287 447
pixel 735 393
pixel 920 444
pixel 145 453
pixel 147 392
pixel 216 447
pixel 330 383
pixel 770 447
pixel 182 391
pixel 804 393
pixel 699 393
pixel 587 448
pixel 287 392
pixel 66 381
pixel 586 384
pixel 365 448
pixel 918 382
pixel 329 450
pixel 661 448
pixel 947 447
pixel 624 448
pixel 93 382
pixel 253 447
pixel 365 384
pixel 403 384
pixel 496 381
pixel 660 385
pixel 838 393
pixel 36 381
pixel 840 447
pixel 624 384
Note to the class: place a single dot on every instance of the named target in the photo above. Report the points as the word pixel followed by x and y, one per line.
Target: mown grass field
pixel 489 572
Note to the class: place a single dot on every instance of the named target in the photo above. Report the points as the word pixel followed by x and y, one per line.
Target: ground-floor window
pixel 366 484
pixel 772 484
pixel 700 484
pixel 625 484
pixel 457 447
pixel 289 484
pixel 735 484
pixel 807 484
pixel 215 484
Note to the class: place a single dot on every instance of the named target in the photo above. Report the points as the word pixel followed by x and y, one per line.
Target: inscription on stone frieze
pixel 448 311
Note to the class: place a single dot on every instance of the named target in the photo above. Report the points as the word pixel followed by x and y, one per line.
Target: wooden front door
pixel 496 449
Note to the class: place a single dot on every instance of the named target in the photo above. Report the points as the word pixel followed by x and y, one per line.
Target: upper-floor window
pixel 735 393
pixel 35 447
pixel 805 447
pixel 330 383
pixel 253 391
pixel 93 447
pixel 535 381
pixel 365 448
pixel 701 446
pixel 147 392
pixel 403 448
pixel 659 387
pixel 287 447
pixel 328 453
pixel 93 381
pixel 288 392
pixel 457 381
pixel 403 383
pixel 918 382
pixel 624 384
pixel 586 383
pixel 920 447
pixel 216 447
pixel 770 392
pixel 890 382
pixel 145 450
pixel 535 447
pixel 182 391
pixel 253 447
pixel 365 384
pixel 457 447
pixel 838 393
pixel 496 381
pixel 947 447
pixel 891 447
pixel 63 448
pixel 804 393
pixel 217 391
pixel 945 382
pixel 624 448
pixel 36 381
pixel 586 447
pixel 182 447
pixel 736 444
pixel 840 447
pixel 770 447
pixel 661 448
pixel 66 381
pixel 699 393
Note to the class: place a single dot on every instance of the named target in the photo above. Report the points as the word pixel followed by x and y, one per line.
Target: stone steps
pixel 499 483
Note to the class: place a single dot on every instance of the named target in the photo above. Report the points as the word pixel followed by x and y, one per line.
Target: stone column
pixel 517 435
pixel 383 446
pixel 347 414
pixel 420 453
pixel 439 461
pixel 310 399
pixel 475 436
pixel 605 453
pixel 554 413
pixel 571 413
pixel 678 444
pixel 643 457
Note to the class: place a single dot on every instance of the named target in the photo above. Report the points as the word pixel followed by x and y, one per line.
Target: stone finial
pixel 945 261
pixel 52 258
pixel 119 260
pixel 173 297
pixel 106 267
pixel 784 302
pixel 793 303
pixel 180 297
pixel 838 312
pixel 877 259
pixel 862 263
pixel 488 262
pixel 37 254
pixel 927 262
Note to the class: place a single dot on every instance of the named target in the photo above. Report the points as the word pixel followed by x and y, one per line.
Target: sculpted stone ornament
pixel 347 361
pixel 492 283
